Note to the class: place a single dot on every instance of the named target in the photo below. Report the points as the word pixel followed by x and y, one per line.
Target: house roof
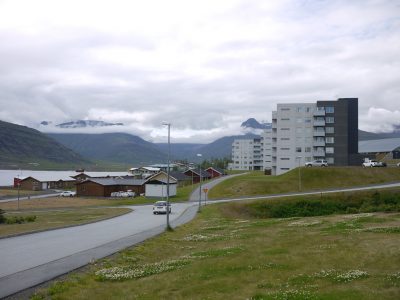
pixel 103 174
pixel 376 146
pixel 115 181
pixel 216 169
pixel 196 171
pixel 162 177
pixel 49 178
pixel 179 176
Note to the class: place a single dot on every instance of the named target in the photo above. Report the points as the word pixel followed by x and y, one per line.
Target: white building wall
pixel 247 154
pixel 266 144
pixel 159 190
pixel 292 136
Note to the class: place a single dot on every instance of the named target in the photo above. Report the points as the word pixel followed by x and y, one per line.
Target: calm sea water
pixel 7 176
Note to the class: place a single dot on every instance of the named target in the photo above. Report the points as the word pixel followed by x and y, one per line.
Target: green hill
pixel 256 183
pixel 112 147
pixel 22 146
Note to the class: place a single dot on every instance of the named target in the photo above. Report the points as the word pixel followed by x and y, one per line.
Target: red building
pixel 194 174
pixel 214 172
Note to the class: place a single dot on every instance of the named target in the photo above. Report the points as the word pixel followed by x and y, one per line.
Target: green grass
pixel 52 219
pixel 222 256
pixel 319 205
pixel 256 183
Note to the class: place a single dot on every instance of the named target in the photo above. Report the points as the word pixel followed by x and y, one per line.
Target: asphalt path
pixel 30 197
pixel 31 259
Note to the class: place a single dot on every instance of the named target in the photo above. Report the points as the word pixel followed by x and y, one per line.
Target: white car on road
pixel 160 207
pixel 68 194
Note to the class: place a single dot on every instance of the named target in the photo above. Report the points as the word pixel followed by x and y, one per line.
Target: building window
pixel 329 150
pixel 299 109
pixel 285 139
pixel 330 160
pixel 330 109
pixel 308 159
pixel 330 129
pixel 298 149
pixel 285 119
pixel 307 121
pixel 329 140
pixel 285 129
pixel 285 158
pixel 307 149
pixel 308 109
pixel 285 149
pixel 285 109
pixel 330 120
pixel 285 169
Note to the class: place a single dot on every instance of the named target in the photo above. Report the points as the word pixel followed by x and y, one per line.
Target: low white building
pixel 156 186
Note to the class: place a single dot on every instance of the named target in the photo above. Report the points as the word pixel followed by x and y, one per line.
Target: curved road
pixel 32 259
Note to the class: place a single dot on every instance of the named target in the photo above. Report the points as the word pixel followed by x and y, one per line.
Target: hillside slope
pixel 23 145
pixel 112 147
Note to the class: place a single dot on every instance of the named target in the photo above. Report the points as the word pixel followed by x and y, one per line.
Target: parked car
pixel 381 164
pixel 317 163
pixel 123 194
pixel 68 194
pixel 160 207
pixel 369 163
pixel 130 193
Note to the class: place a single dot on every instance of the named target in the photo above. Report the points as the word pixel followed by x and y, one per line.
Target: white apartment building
pixel 246 154
pixel 292 137
pixel 303 132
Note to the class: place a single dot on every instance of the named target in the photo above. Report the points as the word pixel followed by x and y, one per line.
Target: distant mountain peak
pixel 86 123
pixel 253 123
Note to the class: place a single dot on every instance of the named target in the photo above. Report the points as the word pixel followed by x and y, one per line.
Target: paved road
pixel 31 259
pixel 194 197
pixel 30 197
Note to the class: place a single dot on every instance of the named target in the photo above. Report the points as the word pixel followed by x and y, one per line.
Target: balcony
pixel 318 153
pixel 319 113
pixel 319 143
pixel 319 132
pixel 319 123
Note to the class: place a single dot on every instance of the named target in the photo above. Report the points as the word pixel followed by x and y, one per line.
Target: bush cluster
pixel 386 201
pixel 15 219
pixel 2 217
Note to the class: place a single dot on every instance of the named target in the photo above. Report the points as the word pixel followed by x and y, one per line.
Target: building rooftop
pixel 116 181
pixel 375 146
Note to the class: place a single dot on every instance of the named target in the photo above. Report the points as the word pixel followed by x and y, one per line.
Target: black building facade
pixel 341 131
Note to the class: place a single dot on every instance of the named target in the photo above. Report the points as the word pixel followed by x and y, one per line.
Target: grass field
pixel 256 183
pixel 220 255
pixel 11 192
pixel 51 219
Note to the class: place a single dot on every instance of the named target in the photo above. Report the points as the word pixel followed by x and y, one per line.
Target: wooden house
pixel 195 175
pixel 103 187
pixel 215 172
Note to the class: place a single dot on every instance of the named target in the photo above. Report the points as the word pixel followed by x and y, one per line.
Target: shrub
pixel 2 217
pixel 306 206
pixel 19 220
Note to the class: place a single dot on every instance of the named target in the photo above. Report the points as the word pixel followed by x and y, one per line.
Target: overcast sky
pixel 205 66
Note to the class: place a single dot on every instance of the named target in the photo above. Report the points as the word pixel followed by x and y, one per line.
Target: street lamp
pixel 299 158
pixel 18 184
pixel 199 155
pixel 169 152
